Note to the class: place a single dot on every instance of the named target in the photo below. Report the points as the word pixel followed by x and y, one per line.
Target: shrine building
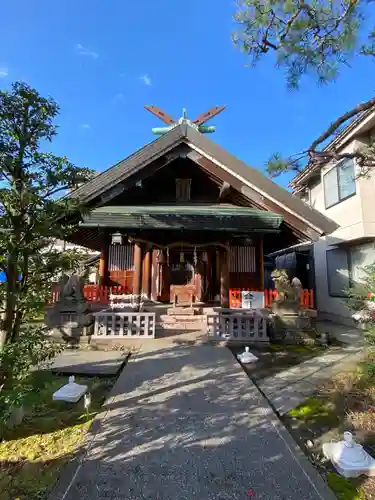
pixel 183 216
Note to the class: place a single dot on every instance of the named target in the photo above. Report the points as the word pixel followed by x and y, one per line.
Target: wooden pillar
pixel 147 265
pixel 138 268
pixel 209 274
pixel 164 278
pixel 261 263
pixel 224 277
pixel 103 263
pixel 155 278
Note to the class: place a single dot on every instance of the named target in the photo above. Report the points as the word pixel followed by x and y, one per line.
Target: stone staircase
pixel 180 319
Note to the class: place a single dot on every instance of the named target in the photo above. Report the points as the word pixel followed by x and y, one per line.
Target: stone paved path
pixel 289 388
pixel 185 423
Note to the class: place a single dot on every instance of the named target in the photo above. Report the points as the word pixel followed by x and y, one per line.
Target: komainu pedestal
pixel 289 322
pixel 70 317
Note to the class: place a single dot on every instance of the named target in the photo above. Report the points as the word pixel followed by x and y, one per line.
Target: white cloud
pixel 3 72
pixel 85 125
pixel 84 51
pixel 146 79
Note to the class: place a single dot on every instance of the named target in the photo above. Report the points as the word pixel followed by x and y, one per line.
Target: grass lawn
pixel 341 404
pixel 33 454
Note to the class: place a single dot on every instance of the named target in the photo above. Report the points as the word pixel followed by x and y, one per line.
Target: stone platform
pixel 85 362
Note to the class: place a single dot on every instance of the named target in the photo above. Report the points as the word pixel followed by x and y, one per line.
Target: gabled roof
pixel 253 180
pixel 124 168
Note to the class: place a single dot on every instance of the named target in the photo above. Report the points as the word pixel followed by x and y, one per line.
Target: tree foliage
pixel 33 209
pixel 361 300
pixel 31 351
pixel 316 37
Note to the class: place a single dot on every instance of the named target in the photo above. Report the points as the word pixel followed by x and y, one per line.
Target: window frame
pixel 336 169
pixel 336 295
pixel 349 258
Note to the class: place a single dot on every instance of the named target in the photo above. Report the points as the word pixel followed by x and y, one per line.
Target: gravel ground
pixel 186 423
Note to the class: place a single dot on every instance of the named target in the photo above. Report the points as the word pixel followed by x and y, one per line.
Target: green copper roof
pixel 190 217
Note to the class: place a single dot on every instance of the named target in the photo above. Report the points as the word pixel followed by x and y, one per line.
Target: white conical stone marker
pixel 71 392
pixel 247 356
pixel 349 457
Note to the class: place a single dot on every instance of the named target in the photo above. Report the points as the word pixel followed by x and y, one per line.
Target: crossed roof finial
pixel 198 123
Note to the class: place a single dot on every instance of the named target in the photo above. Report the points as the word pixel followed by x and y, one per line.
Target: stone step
pixel 184 311
pixel 167 318
pixel 181 325
pixel 169 332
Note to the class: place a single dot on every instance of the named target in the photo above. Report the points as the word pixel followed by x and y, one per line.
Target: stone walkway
pixel 185 422
pixel 289 388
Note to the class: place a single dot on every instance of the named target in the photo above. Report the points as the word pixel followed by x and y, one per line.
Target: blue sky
pixel 102 61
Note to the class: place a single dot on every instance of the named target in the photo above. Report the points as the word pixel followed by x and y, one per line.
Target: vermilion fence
pixel 97 293
pixel 307 297
pixel 100 294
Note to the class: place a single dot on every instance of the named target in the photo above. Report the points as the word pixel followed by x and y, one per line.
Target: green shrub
pixel 17 360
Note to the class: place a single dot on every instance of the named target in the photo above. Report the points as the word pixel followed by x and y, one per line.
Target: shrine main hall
pixel 184 214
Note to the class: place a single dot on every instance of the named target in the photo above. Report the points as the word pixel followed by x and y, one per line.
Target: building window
pixel 339 182
pixel 345 267
pixel 183 188
pixel 337 272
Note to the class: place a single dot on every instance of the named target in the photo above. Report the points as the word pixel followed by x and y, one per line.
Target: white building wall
pixel 356 217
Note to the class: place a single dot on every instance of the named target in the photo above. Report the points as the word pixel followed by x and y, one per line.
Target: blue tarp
pixel 3 277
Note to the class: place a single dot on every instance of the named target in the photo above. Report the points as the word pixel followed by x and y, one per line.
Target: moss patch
pixel 33 454
pixel 343 403
pixel 316 409
pixel 345 489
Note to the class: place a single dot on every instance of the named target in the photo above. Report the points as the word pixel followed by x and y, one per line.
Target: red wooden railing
pixel 97 293
pixel 307 297
pixel 100 294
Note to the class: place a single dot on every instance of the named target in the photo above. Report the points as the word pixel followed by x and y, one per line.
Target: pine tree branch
pixel 340 121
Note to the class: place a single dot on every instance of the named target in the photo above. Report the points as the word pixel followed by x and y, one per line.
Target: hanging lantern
pixel 160 258
pixel 182 258
pixel 204 257
pixel 195 258
pixel 116 239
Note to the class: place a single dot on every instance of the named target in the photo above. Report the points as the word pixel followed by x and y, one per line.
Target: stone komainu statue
pixel 287 291
pixel 71 288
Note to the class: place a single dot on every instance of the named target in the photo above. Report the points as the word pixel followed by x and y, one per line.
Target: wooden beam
pixel 162 115
pixel 257 199
pixel 204 117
